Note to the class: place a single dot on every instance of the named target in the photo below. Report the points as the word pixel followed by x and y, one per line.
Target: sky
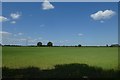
pixel 63 23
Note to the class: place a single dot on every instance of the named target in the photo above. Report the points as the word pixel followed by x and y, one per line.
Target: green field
pixel 47 57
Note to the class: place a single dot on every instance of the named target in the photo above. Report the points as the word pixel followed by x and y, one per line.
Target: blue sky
pixel 63 23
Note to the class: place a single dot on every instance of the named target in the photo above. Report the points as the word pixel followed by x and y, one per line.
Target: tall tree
pixel 79 45
pixel 106 45
pixel 49 44
pixel 39 44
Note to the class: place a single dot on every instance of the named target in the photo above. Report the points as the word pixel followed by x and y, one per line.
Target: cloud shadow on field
pixel 65 71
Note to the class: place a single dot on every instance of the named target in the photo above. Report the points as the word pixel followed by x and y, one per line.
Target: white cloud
pixel 3 19
pixel 15 15
pixel 63 41
pixel 80 34
pixel 4 33
pixel 102 21
pixel 13 22
pixel 14 41
pixel 102 15
pixel 20 33
pixel 46 5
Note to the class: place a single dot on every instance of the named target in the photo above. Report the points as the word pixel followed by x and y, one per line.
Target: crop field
pixel 47 57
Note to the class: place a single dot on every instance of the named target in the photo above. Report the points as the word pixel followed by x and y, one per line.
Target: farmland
pixel 47 57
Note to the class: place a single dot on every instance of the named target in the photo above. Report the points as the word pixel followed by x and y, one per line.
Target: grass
pixel 65 71
pixel 47 57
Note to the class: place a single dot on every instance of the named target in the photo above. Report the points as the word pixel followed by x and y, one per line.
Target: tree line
pixel 50 44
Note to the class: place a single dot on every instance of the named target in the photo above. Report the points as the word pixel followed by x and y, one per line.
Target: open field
pixel 47 57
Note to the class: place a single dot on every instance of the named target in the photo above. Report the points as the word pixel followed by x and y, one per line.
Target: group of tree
pixel 49 44
pixel 115 45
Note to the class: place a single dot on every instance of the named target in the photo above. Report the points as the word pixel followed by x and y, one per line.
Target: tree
pixel 106 45
pixel 49 44
pixel 79 45
pixel 39 44
pixel 115 45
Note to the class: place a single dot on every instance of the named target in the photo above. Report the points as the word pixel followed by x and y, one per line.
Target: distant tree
pixel 49 44
pixel 115 45
pixel 106 45
pixel 75 46
pixel 39 44
pixel 79 45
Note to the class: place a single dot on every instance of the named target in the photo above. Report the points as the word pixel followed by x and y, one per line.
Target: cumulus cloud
pixel 3 19
pixel 46 5
pixel 102 15
pixel 15 15
pixel 13 22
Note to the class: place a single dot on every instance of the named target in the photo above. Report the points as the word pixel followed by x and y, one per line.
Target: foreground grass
pixel 66 71
pixel 47 57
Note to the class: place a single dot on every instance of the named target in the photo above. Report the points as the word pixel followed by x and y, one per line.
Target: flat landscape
pixel 50 39
pixel 47 57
